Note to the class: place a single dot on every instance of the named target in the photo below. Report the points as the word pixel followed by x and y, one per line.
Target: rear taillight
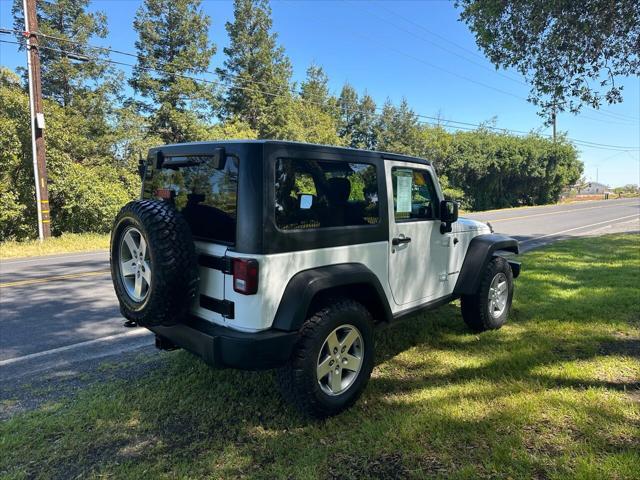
pixel 245 275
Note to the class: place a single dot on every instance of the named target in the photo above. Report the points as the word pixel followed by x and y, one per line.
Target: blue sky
pixel 414 49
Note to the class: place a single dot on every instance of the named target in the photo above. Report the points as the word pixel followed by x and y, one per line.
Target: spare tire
pixel 153 263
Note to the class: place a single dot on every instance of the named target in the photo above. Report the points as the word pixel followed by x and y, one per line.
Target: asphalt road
pixel 59 314
pixel 537 226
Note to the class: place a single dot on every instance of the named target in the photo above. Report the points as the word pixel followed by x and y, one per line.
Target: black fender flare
pixel 480 252
pixel 354 279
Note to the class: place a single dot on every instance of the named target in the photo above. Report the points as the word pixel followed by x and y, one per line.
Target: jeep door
pixel 418 257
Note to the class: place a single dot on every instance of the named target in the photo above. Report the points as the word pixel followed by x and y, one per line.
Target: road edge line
pixel 578 228
pixel 131 333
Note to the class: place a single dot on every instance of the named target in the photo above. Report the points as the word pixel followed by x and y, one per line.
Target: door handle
pixel 399 240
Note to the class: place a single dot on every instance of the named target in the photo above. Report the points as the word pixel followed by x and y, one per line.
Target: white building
pixel 594 188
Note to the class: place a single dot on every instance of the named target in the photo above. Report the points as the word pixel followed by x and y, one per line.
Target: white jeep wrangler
pixel 265 254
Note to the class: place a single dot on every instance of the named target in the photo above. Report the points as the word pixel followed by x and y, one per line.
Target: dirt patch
pixel 429 465
pixel 621 344
pixel 634 395
pixel 387 466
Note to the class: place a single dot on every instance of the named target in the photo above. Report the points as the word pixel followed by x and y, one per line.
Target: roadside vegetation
pixel 96 129
pixel 68 242
pixel 553 394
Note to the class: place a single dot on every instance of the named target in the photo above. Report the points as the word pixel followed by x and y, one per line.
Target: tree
pixel 628 190
pixel 131 138
pixel 570 51
pixel 357 119
pixel 67 28
pixel 365 134
pixel 173 46
pixel 499 170
pixel 84 195
pixel 310 123
pixel 347 106
pixel 398 129
pixel 257 71
pixel 315 89
pixel 15 188
pixel 75 75
pixel 232 129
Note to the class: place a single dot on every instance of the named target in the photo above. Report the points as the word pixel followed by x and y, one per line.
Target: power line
pixel 223 80
pixel 430 32
pixel 438 67
pixel 616 115
pixel 133 55
pixel 608 121
pixel 486 67
pixel 460 125
pixel 608 114
pixel 137 57
pixel 603 112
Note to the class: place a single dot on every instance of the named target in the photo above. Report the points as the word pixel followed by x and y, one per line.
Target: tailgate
pixel 209 303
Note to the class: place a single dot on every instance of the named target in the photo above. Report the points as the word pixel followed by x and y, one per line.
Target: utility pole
pixel 37 119
pixel 553 118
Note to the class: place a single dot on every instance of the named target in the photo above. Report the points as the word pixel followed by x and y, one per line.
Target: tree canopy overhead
pixel 570 51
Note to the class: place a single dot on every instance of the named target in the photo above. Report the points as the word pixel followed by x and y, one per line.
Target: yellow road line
pixel 520 217
pixel 68 276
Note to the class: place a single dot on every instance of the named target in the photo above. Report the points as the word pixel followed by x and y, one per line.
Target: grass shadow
pixel 543 397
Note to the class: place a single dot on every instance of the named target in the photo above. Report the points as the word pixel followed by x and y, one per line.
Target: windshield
pixel 205 195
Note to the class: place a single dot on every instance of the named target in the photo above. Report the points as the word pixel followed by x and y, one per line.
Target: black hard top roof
pixel 285 143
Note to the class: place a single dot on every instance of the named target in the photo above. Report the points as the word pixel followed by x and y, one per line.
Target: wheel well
pixel 363 293
pixel 506 251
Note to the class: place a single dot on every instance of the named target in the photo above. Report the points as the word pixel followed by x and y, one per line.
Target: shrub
pixel 87 198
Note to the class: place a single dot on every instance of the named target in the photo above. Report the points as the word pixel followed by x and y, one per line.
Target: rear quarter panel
pixel 257 312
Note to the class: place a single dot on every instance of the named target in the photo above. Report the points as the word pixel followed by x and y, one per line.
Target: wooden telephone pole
pixel 37 119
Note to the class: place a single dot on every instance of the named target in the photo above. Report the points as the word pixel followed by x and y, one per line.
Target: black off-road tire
pixel 298 381
pixel 174 270
pixel 476 308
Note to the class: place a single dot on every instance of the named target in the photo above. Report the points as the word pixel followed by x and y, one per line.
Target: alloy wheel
pixel 340 360
pixel 135 266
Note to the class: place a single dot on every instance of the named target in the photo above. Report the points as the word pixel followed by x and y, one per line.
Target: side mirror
pixel 448 214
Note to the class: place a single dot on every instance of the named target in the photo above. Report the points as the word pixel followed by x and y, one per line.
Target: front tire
pixel 489 307
pixel 332 360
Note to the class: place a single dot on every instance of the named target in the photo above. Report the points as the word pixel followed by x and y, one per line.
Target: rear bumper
pixel 223 347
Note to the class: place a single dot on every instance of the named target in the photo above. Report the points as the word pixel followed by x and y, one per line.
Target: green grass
pixel 553 394
pixel 66 243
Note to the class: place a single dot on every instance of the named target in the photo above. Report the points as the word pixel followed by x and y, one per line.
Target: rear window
pixel 206 196
pixel 318 194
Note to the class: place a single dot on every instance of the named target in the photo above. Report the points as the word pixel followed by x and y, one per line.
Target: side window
pixel 318 194
pixel 414 196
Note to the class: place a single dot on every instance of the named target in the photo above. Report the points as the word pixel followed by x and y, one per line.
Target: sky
pixel 413 49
